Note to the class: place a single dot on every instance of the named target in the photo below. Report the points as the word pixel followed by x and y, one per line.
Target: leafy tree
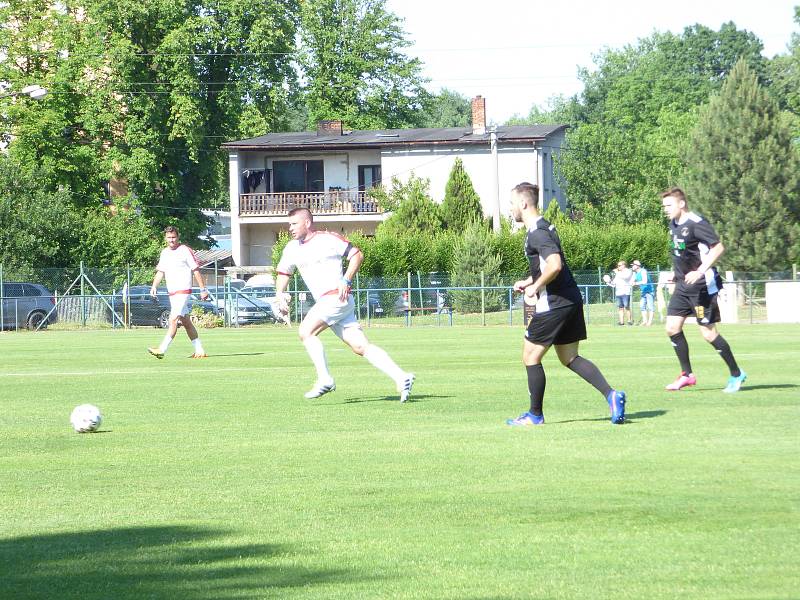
pixel 636 106
pixel 415 212
pixel 43 229
pixel 353 66
pixel 784 76
pixel 142 93
pixel 559 110
pixel 447 109
pixel 461 205
pixel 744 175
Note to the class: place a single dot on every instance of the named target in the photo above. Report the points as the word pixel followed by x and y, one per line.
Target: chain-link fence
pixel 85 297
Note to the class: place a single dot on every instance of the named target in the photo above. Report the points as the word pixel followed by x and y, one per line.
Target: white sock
pixel 316 351
pixel 198 346
pixel 379 359
pixel 165 344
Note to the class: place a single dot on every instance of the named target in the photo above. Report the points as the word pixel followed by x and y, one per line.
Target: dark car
pixel 26 305
pixel 144 309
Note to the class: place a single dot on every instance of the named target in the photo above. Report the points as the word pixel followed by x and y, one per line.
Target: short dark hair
pixel 529 190
pixel 171 229
pixel 674 191
pixel 299 209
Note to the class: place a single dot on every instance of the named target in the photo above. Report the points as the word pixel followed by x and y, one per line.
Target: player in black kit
pixel 558 320
pixel 695 248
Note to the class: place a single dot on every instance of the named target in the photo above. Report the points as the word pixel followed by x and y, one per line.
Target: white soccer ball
pixel 86 418
pixel 607 278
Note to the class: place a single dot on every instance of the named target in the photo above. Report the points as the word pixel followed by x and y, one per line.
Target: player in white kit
pixel 318 256
pixel 177 264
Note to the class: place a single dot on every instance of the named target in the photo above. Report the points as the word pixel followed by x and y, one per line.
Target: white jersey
pixel 319 260
pixel 177 266
pixel 623 282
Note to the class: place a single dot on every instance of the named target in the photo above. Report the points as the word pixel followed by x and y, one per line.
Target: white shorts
pixel 336 314
pixel 179 305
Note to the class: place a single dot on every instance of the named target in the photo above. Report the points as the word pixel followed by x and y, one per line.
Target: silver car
pixel 240 306
pixel 26 305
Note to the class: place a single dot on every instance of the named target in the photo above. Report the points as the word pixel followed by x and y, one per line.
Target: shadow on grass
pixel 392 398
pixel 237 354
pixel 150 562
pixel 630 417
pixel 766 386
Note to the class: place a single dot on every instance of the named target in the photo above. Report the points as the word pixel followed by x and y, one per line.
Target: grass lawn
pixel 216 479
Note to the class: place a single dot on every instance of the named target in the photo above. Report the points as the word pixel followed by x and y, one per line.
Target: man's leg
pixel 161 350
pixel 678 339
pixel 309 331
pixel 588 371
pixel 737 376
pixel 355 337
pixel 532 355
pixel 191 331
pixel 621 310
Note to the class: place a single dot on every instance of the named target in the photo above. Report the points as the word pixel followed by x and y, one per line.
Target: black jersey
pixel 542 241
pixel 690 242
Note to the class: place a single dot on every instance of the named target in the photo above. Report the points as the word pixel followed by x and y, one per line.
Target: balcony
pixel 319 203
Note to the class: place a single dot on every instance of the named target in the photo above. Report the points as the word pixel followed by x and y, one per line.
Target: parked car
pixel 144 309
pixel 240 305
pixel 27 305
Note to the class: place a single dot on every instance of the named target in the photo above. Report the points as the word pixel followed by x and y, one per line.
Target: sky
pixel 516 53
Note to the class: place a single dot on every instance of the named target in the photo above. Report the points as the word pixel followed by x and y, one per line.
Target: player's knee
pixel 359 348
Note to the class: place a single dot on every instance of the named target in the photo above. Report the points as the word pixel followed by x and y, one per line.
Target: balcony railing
pixel 319 203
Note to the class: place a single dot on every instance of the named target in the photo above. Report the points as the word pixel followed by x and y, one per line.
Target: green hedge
pixel 585 246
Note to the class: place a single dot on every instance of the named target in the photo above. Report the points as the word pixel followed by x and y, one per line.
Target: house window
pixel 368 177
pixel 298 176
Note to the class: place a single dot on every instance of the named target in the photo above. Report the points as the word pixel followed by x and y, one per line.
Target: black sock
pixel 591 374
pixel 721 346
pixel 536 384
pixel 682 350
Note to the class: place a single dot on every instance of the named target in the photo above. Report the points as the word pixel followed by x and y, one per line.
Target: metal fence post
pixel 510 306
pixel 127 313
pixel 2 295
pixel 83 298
pixel 483 300
pixel 410 300
pixel 750 295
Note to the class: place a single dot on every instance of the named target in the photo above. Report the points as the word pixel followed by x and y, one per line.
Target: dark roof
pixel 382 138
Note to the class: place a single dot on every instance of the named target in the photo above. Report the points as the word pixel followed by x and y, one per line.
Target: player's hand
pixel 153 291
pixel 531 294
pixel 344 289
pixel 693 277
pixel 520 285
pixel 204 295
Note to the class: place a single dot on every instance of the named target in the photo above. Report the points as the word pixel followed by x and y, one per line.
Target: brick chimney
pixel 333 127
pixel 478 115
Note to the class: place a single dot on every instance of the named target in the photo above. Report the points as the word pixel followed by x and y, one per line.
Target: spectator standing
pixel 647 304
pixel 622 282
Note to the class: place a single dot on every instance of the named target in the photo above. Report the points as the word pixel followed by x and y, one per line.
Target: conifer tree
pixel 744 176
pixel 475 254
pixel 461 205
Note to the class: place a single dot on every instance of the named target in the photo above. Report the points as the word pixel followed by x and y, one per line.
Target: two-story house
pixel 331 170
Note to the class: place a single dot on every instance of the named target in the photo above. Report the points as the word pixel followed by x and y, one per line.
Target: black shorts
pixel 694 301
pixel 557 326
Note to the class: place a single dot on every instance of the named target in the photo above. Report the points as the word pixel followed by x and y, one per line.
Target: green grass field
pixel 217 479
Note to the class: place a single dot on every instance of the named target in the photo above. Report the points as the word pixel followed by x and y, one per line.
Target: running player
pixel 558 319
pixel 318 256
pixel 695 248
pixel 177 263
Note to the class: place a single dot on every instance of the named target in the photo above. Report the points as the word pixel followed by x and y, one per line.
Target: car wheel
pixel 34 319
pixel 163 319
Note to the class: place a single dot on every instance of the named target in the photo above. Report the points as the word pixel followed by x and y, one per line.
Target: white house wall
pixel 515 164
